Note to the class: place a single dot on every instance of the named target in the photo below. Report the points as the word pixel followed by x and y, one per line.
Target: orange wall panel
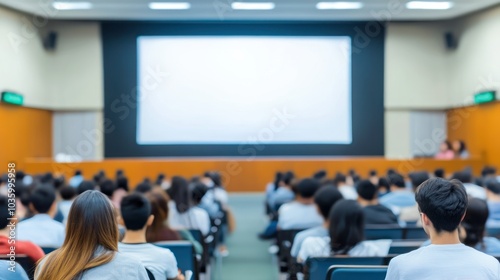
pixel 25 133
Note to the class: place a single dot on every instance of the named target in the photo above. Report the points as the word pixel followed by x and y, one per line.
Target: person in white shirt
pixel 472 189
pixel 443 204
pixel 347 191
pixel 182 214
pixel 301 213
pixel 346 235
pixel 400 197
pixel 42 229
pixel 136 216
pixel 324 199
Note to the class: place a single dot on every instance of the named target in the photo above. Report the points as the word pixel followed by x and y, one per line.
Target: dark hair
pixel 443 201
pixel 47 178
pixel 122 183
pixel 277 179
pixel 306 188
pixel 288 178
pixel 397 180
pixel 119 172
pixel 179 193
pixel 325 198
pixel 462 176
pixel 475 221
pixel 319 175
pixel 135 210
pixel 488 171
pixel 339 178
pixel 4 212
pixel 372 172
pixel 366 190
pixel 85 186
pixel 439 173
pixel 347 226
pixel 462 147
pixel 417 178
pixel 383 183
pixel 59 182
pixel 448 145
pixel 493 185
pixel 143 188
pixel 198 190
pixel 215 176
pixel 159 179
pixel 67 192
pixel 42 198
pixel 107 187
pixel 78 172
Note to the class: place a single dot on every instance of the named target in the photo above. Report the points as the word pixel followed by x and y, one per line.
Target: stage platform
pixel 245 174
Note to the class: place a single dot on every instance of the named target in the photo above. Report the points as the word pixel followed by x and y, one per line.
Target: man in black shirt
pixel 375 213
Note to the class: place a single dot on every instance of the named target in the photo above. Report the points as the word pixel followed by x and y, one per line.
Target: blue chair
pixel 354 272
pixel 404 246
pixel 415 233
pixel 48 250
pixel 373 232
pixel 317 268
pixel 185 255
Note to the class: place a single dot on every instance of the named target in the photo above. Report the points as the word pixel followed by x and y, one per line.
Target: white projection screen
pixel 236 89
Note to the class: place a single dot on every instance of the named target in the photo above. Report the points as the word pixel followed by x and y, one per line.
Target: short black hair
pixel 47 178
pixel 122 183
pixel 325 198
pixel 143 187
pixel 397 180
pixel 306 188
pixel 288 178
pixel 4 212
pixel 488 171
pixel 198 191
pixel 366 190
pixel 59 182
pixel 474 221
pixel 339 178
pixel 67 192
pixel 320 174
pixel 443 201
pixel 383 184
pixel 85 186
pixel 372 172
pixel 417 178
pixel 439 173
pixel 78 172
pixel 107 187
pixel 462 176
pixel 42 198
pixel 135 210
pixel 493 185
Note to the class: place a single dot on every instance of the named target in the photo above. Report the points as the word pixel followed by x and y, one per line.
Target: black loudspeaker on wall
pixel 50 41
pixel 451 41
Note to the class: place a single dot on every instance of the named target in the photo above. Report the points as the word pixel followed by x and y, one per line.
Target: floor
pixel 249 257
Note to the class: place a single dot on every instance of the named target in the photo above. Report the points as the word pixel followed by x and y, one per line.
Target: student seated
pixel 284 193
pixel 42 229
pixel 472 189
pixel 346 235
pixel 159 230
pixel 301 213
pixel 324 199
pixel 411 214
pixel 6 226
pixel 399 197
pixel 347 190
pixel 443 204
pixel 445 151
pixel 90 250
pixel 493 195
pixel 136 217
pixel 460 149
pixel 473 228
pixel 67 194
pixel 182 213
pixel 375 213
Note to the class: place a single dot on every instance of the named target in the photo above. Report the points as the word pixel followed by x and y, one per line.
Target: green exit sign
pixel 12 98
pixel 485 97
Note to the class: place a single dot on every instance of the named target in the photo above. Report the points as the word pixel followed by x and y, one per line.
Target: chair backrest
pixel 284 241
pixel 48 250
pixel 205 258
pixel 356 272
pixel 404 246
pixel 415 232
pixel 317 268
pixel 374 232
pixel 25 262
pixel 185 255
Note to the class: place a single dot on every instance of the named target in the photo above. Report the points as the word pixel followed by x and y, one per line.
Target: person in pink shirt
pixel 445 151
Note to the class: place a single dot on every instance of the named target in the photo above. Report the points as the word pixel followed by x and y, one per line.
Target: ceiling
pixel 221 10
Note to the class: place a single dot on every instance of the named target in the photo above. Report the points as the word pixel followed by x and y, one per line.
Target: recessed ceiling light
pixel 169 5
pixel 339 5
pixel 428 5
pixel 72 5
pixel 252 5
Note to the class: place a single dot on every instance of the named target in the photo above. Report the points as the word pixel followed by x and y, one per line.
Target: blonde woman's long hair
pixel 91 223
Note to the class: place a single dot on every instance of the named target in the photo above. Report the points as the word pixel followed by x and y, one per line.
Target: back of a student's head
pixel 198 191
pixel 417 178
pixel 4 212
pixel 396 180
pixel 143 187
pixel 366 190
pixel 462 176
pixel 306 188
pixel 443 202
pixel 85 186
pixel 320 174
pixel 42 199
pixel 346 228
pixel 107 187
pixel 179 193
pixel 474 222
pixel 383 185
pixel 122 183
pixel 439 173
pixel 67 193
pixel 135 211
pixel 325 198
pixel 492 186
pixel 288 178
pixel 339 179
pixel 488 171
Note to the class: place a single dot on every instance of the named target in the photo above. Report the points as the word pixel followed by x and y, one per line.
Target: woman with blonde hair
pixel 90 249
